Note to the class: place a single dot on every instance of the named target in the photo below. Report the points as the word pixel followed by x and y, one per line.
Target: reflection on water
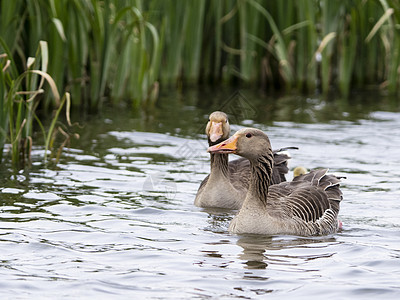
pixel 262 251
pixel 116 217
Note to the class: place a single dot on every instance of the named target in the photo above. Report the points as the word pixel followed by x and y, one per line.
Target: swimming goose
pixel 226 185
pixel 306 206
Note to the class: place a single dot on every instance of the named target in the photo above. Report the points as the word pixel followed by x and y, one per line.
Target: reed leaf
pixel 280 46
pixel 19 101
pixel 347 52
pixel 65 99
pixel 124 50
pixel 194 18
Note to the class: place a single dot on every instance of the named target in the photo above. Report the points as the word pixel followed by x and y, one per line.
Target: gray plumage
pixel 309 205
pixel 227 184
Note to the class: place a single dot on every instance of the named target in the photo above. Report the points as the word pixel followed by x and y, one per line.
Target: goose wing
pixel 239 173
pixel 313 197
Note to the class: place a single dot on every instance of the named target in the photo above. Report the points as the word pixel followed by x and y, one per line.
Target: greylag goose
pixel 308 205
pixel 226 185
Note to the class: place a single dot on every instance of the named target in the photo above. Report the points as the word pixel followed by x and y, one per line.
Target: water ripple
pixel 121 222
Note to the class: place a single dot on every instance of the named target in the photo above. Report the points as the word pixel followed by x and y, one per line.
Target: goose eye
pixel 249 135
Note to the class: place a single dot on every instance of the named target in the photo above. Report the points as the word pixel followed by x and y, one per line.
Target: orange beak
pixel 227 146
pixel 215 131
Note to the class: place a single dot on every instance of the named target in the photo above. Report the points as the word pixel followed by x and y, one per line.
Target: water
pixel 115 218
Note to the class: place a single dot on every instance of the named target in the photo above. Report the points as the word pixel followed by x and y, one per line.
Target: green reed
pixel 124 50
pixel 20 95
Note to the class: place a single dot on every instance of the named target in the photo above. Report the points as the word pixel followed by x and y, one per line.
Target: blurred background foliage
pixel 125 50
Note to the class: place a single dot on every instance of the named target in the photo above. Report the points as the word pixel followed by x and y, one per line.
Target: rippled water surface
pixel 115 219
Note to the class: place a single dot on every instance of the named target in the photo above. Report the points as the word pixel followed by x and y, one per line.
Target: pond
pixel 115 218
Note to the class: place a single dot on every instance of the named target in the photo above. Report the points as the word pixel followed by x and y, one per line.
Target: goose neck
pixel 261 177
pixel 219 163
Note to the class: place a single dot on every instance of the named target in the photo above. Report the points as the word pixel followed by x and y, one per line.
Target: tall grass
pixel 20 95
pixel 124 50
pixel 304 45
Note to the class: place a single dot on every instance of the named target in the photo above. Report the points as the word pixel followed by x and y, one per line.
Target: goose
pixel 306 206
pixel 226 185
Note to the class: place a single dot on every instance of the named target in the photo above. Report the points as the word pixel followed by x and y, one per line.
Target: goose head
pixel 218 128
pixel 250 143
pixel 300 170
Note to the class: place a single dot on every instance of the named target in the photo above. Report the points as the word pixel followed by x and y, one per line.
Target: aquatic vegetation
pixel 20 96
pixel 125 50
pixel 305 45
pixel 97 49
